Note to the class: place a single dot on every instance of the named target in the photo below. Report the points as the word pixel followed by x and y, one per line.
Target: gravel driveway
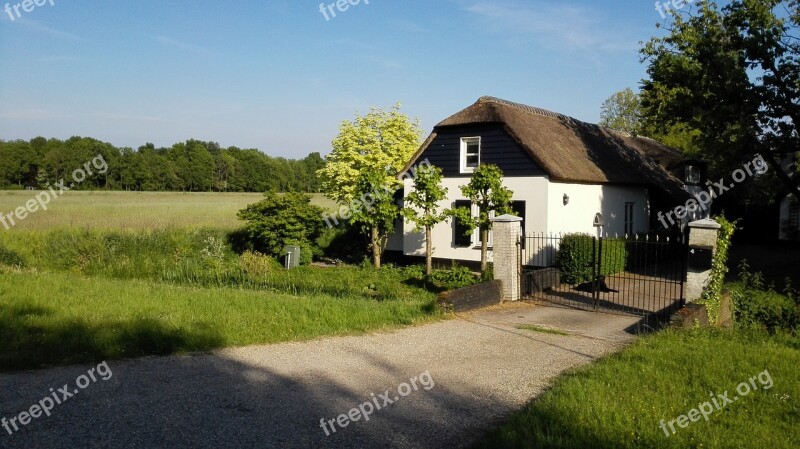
pixel 470 372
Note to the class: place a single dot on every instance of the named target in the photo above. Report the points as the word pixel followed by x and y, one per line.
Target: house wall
pixel 497 148
pixel 532 190
pixel 545 213
pixel 585 200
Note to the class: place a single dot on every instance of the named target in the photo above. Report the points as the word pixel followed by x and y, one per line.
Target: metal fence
pixel 640 274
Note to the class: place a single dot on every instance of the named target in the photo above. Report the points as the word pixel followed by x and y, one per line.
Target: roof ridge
pixel 527 108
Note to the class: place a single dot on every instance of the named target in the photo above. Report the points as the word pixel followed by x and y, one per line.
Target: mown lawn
pixel 620 401
pixel 57 318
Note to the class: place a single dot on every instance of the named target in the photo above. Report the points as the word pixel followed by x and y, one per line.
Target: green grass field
pixel 134 210
pixel 58 318
pixel 105 275
pixel 620 401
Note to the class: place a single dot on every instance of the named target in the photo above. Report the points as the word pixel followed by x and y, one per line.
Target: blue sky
pixel 277 76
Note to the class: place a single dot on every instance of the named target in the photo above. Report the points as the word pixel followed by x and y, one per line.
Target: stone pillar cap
pixel 705 223
pixel 507 218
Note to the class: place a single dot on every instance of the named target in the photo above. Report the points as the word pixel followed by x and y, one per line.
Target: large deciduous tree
pixel 381 141
pixel 422 206
pixel 730 77
pixel 367 155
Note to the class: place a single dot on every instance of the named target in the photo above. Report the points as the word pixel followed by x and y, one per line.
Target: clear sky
pixel 277 76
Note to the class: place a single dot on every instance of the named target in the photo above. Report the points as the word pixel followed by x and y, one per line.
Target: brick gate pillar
pixel 702 247
pixel 505 254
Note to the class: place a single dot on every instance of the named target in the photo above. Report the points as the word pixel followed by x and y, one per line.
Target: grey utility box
pixel 291 255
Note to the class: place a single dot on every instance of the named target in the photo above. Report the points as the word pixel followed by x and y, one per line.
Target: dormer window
pixel 693 175
pixel 470 154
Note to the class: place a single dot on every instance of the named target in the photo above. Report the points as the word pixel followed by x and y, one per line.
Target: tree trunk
pixel 376 248
pixel 428 252
pixel 484 249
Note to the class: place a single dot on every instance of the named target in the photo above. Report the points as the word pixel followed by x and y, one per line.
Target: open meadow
pixel 134 210
pixel 106 275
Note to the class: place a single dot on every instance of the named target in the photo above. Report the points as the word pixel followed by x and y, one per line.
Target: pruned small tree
pixel 422 206
pixel 485 190
pixel 376 210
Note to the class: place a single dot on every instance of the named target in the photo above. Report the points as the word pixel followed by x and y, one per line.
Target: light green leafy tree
pixel 621 111
pixel 367 155
pixel 485 190
pixel 422 206
pixel 380 141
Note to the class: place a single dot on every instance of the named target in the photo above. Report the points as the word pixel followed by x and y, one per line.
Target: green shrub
pixel 258 265
pixel 280 220
pixel 765 309
pixel 755 306
pixel 574 257
pixel 456 277
pixel 614 256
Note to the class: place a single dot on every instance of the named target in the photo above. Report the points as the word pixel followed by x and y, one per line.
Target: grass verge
pixel 620 401
pixel 58 318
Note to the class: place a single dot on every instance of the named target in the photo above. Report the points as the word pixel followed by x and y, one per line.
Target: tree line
pixel 191 166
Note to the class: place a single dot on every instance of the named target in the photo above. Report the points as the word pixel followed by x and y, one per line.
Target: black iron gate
pixel 639 275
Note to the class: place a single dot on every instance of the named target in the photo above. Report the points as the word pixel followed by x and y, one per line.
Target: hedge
pixel 574 257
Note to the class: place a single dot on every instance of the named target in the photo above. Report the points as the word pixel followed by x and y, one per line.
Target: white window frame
pixel 464 142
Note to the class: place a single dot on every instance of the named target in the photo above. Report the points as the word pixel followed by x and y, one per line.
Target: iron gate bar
pixel 651 281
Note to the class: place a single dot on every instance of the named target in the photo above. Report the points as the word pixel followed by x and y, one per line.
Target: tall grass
pixel 200 257
pixel 70 296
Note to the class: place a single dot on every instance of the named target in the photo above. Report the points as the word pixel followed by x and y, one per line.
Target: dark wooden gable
pixel 497 147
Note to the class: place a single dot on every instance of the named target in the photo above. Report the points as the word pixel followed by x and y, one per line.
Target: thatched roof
pixel 570 150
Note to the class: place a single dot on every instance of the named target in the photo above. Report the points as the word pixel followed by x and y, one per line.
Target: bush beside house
pixel 574 257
